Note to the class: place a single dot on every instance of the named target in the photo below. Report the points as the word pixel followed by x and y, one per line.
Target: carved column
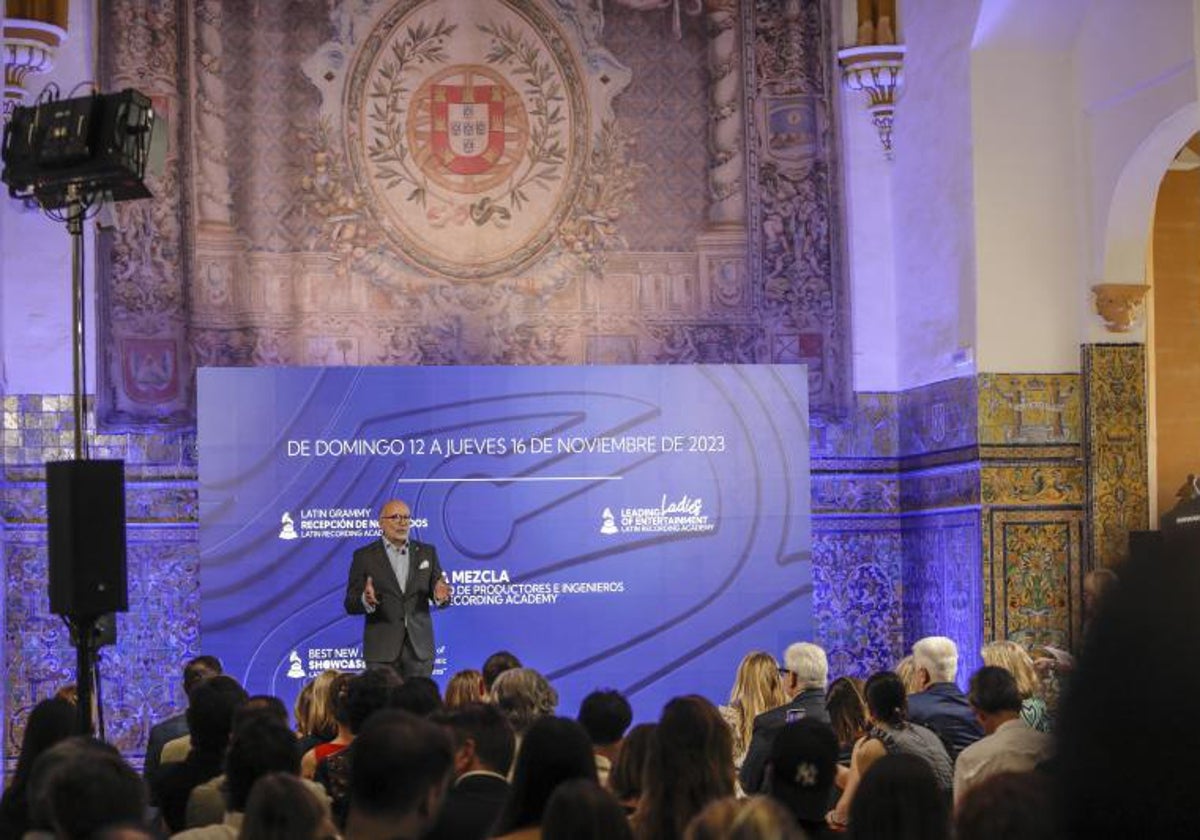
pixel 726 157
pixel 721 249
pixel 212 148
pixel 217 286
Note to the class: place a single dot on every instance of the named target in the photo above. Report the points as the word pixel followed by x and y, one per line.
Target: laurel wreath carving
pixel 425 44
pixel 546 154
pixel 422 44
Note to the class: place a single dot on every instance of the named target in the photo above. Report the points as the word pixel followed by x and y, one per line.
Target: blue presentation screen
pixel 632 527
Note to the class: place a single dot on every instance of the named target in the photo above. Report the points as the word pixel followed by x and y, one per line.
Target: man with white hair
pixel 805 673
pixel 939 704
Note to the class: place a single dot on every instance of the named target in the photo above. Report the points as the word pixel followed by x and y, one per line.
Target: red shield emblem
pixel 150 369
pixel 468 126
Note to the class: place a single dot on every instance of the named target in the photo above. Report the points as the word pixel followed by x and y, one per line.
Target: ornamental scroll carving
pixel 794 202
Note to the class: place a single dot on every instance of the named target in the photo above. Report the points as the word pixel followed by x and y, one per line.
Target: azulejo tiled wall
pixel 856 536
pixel 140 678
pixel 1032 495
pixel 1114 379
pixel 939 474
pixel 970 496
pixel 896 526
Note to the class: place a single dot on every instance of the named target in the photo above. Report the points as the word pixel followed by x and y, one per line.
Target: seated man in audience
pixel 399 771
pixel 210 718
pixel 260 745
pixel 484 744
pixel 1009 743
pixel 208 803
pixel 805 672
pixel 605 715
pixel 195 672
pixel 939 704
pixel 802 772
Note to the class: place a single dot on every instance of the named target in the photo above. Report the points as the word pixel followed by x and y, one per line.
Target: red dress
pixel 323 751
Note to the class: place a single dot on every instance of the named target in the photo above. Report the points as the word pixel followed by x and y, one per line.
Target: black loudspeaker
pixel 85 505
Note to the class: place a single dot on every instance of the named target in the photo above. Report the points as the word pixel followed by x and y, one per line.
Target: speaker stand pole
pixel 84 625
pixel 75 216
pixel 85 629
pixel 99 695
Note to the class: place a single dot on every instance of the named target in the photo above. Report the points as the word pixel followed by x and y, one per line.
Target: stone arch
pixel 1131 210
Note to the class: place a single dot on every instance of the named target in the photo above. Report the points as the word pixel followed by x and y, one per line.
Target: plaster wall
pixel 870 250
pixel 933 194
pixel 35 256
pixel 1136 78
pixel 1028 237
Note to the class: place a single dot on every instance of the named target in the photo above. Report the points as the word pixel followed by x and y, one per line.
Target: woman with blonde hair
pixel 756 689
pixel 464 687
pixel 906 670
pixel 524 695
pixel 1016 660
pixel 321 722
pixel 339 688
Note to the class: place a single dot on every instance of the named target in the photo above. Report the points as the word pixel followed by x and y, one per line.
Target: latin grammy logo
pixel 610 524
pixel 287 530
pixel 295 666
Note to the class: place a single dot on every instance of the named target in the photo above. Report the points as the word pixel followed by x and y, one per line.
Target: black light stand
pixel 70 156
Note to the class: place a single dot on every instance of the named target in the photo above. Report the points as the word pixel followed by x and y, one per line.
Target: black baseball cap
pixel 803 768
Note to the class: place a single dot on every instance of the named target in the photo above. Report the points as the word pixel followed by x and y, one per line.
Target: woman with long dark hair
pixel 581 810
pixel 690 764
pixel 554 750
pixel 625 779
pixel 50 721
pixel 891 733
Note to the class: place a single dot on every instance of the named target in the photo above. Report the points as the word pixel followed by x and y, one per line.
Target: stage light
pixel 96 146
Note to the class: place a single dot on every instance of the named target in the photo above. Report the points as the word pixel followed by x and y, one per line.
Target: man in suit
pixel 939 704
pixel 805 672
pixel 483 754
pixel 392 582
pixel 195 672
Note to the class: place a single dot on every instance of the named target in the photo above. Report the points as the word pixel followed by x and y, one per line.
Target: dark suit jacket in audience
pixel 471 808
pixel 944 708
pixel 809 703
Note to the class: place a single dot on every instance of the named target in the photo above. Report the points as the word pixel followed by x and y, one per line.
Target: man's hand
pixel 442 591
pixel 369 594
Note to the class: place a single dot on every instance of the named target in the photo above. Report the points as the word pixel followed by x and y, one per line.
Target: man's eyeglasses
pixel 783 672
pixel 398 517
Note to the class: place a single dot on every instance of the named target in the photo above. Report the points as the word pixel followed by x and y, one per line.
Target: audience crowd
pixel 905 754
